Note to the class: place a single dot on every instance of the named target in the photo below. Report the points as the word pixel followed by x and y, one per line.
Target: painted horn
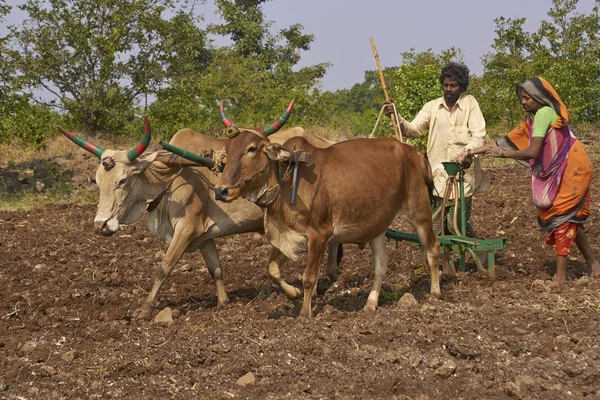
pixel 83 143
pixel 188 155
pixel 277 124
pixel 143 144
pixel 232 129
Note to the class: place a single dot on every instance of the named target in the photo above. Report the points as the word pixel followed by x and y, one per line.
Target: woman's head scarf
pixel 541 91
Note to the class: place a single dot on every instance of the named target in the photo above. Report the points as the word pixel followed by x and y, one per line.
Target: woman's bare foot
pixel 561 269
pixel 594 271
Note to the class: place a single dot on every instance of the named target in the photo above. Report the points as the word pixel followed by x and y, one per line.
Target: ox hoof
pixel 334 276
pixel 143 313
pixel 435 295
pixel 223 304
pixel 369 308
pixel 292 293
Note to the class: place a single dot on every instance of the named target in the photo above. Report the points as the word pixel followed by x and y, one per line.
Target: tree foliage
pixel 565 50
pixel 20 118
pixel 256 76
pixel 98 63
pixel 417 81
pixel 95 59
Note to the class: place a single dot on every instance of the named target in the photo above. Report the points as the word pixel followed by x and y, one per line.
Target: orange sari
pixel 571 204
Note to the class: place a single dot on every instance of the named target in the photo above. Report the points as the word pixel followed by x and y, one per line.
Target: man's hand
pixel 388 108
pixel 463 158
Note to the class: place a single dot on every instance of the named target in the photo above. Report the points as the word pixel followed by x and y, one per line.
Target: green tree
pixel 95 59
pixel 256 75
pixel 565 50
pixel 19 118
pixel 417 81
pixel 410 86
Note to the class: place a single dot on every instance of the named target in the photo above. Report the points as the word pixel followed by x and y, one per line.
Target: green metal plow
pixel 456 244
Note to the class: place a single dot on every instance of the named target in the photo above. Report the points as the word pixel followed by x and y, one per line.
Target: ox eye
pixel 121 182
pixel 252 149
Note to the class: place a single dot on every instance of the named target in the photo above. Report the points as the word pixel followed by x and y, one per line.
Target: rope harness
pixel 269 194
pixel 372 135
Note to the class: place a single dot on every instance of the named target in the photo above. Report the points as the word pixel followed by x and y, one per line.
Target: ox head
pixel 248 164
pixel 118 180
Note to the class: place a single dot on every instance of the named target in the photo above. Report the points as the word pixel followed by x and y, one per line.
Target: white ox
pixel 181 208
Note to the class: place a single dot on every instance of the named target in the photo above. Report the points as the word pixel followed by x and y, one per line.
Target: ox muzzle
pixel 106 227
pixel 222 194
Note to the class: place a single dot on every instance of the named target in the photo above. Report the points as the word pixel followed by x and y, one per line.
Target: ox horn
pixel 139 148
pixel 278 123
pixel 83 143
pixel 97 150
pixel 188 155
pixel 232 129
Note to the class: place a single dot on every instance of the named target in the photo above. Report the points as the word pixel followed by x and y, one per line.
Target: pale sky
pixel 342 29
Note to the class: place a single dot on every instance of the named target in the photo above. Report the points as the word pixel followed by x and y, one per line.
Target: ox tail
pixel 427 174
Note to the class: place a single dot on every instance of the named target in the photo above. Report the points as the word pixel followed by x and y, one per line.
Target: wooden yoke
pixel 387 98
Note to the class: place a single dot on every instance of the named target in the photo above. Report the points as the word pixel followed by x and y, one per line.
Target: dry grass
pixel 59 146
pixel 20 156
pixel 31 201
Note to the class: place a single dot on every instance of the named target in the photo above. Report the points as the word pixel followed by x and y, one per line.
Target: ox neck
pixel 156 182
pixel 271 192
pixel 278 172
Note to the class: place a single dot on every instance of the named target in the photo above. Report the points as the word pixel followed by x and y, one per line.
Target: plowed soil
pixel 67 295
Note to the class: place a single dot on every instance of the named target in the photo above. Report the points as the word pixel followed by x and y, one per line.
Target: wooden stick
pixel 387 98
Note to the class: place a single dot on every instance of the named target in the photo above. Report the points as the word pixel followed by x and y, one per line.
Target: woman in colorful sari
pixel 561 171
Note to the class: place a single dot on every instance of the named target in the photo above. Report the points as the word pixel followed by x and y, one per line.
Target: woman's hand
pixel 495 151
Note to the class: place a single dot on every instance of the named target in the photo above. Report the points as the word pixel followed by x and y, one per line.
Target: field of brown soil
pixel 67 295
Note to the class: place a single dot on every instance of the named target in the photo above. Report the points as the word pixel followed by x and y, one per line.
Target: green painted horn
pixel 83 143
pixel 278 123
pixel 98 151
pixel 188 155
pixel 232 129
pixel 143 144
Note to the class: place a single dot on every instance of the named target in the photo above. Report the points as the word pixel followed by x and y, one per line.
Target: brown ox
pixel 349 192
pixel 181 209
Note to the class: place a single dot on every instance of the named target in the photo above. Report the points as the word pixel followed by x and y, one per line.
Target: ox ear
pixel 278 153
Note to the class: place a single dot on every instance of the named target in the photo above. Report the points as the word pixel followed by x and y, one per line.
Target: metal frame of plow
pixel 456 244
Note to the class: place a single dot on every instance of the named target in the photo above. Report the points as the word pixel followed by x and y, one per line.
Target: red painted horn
pixel 143 144
pixel 232 129
pixel 278 123
pixel 83 143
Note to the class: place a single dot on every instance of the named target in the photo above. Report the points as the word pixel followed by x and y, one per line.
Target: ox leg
pixel 333 271
pixel 211 256
pixel 316 251
pixel 424 228
pixel 276 260
pixel 174 253
pixel 381 261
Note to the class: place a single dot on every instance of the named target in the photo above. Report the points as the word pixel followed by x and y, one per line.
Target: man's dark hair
pixel 460 72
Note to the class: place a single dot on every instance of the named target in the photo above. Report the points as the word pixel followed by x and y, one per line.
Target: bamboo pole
pixel 387 98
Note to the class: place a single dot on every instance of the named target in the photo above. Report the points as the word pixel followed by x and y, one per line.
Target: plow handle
pixel 387 98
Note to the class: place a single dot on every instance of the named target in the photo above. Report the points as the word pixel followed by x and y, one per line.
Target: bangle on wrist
pixel 503 153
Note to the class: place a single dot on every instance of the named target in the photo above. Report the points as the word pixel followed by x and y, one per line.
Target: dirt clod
pixel 66 329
